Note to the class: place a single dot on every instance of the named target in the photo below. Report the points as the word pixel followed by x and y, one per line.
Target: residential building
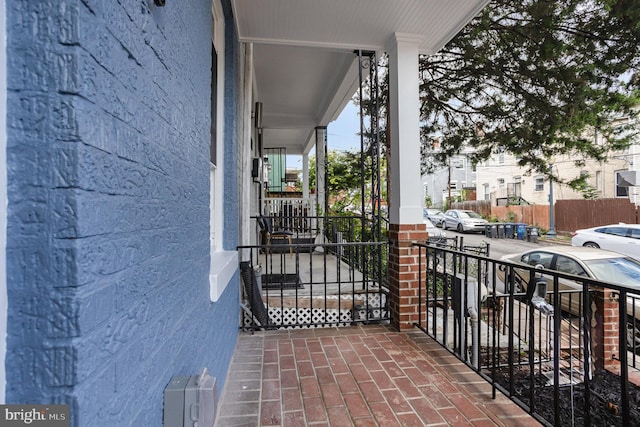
pixel 455 180
pixel 501 180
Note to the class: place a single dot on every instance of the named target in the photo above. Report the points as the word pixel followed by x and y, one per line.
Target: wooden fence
pixel 569 215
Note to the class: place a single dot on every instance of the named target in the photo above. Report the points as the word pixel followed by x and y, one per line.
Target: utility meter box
pixel 190 401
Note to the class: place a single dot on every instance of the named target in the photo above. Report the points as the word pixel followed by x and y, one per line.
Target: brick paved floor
pixel 356 376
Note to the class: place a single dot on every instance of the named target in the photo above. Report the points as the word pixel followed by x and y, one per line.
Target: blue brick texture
pixel 108 218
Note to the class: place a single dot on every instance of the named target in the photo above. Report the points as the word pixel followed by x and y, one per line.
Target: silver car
pixel 588 262
pixel 436 216
pixel 434 232
pixel 463 220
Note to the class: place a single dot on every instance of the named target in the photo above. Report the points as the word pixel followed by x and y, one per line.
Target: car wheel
pixel 460 229
pixel 591 245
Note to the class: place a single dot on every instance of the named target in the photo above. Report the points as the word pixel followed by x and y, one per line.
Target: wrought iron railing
pixel 535 338
pixel 325 277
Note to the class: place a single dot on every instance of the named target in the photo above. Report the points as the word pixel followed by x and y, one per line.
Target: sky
pixel 342 134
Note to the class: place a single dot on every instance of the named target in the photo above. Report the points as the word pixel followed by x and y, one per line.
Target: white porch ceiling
pixel 304 61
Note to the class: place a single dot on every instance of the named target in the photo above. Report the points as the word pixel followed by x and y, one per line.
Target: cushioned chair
pixel 267 228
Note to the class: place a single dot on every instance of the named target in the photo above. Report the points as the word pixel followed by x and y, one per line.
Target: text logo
pixel 34 415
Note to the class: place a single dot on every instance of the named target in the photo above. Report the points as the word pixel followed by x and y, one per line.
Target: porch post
pixel 305 176
pixel 405 210
pixel 605 329
pixel 321 167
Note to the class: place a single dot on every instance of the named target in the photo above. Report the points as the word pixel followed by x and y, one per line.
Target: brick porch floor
pixel 356 376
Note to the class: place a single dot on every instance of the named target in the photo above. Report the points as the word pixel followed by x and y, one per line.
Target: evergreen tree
pixel 535 78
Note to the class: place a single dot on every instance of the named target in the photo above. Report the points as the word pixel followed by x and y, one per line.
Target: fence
pixel 332 272
pixel 314 285
pixel 593 213
pixel 569 215
pixel 550 341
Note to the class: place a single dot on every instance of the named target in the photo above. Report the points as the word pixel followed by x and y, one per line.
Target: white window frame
pixel 538 180
pixel 223 264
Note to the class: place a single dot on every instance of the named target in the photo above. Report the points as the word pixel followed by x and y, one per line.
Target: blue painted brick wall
pixel 108 234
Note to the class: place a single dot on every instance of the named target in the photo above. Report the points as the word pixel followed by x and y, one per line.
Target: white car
pixel 622 238
pixel 463 220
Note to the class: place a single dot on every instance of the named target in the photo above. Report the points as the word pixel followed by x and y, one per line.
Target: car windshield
pixel 624 271
pixel 469 214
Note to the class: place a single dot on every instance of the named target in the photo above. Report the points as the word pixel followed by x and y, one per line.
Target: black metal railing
pixel 306 285
pixel 535 335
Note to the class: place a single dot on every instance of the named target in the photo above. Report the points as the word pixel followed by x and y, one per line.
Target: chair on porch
pixel 266 227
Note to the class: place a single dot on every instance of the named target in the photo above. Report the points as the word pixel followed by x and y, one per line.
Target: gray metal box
pixel 174 402
pixel 191 401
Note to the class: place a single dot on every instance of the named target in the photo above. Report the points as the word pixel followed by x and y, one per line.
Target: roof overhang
pixel 305 63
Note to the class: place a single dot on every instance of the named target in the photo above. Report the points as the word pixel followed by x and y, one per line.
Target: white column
pixel 321 144
pixel 305 176
pixel 406 185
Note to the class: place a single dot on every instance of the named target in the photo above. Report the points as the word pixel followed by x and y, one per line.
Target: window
pixel 539 183
pixel 570 266
pixel 501 182
pixel 620 190
pixel 487 193
pixel 614 231
pixel 538 258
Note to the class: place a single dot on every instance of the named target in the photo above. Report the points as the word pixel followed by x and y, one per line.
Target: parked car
pixel 623 238
pixel 434 232
pixel 436 216
pixel 594 263
pixel 463 220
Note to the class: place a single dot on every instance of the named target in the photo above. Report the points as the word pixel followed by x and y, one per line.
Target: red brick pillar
pixel 605 329
pixel 403 273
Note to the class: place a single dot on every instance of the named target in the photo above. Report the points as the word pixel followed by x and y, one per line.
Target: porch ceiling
pixel 304 61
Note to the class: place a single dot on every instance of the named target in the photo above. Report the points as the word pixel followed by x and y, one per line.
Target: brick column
pixel 403 273
pixel 605 328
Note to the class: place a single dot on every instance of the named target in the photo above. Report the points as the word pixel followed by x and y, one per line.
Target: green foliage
pixel 511 216
pixel 344 179
pixel 534 78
